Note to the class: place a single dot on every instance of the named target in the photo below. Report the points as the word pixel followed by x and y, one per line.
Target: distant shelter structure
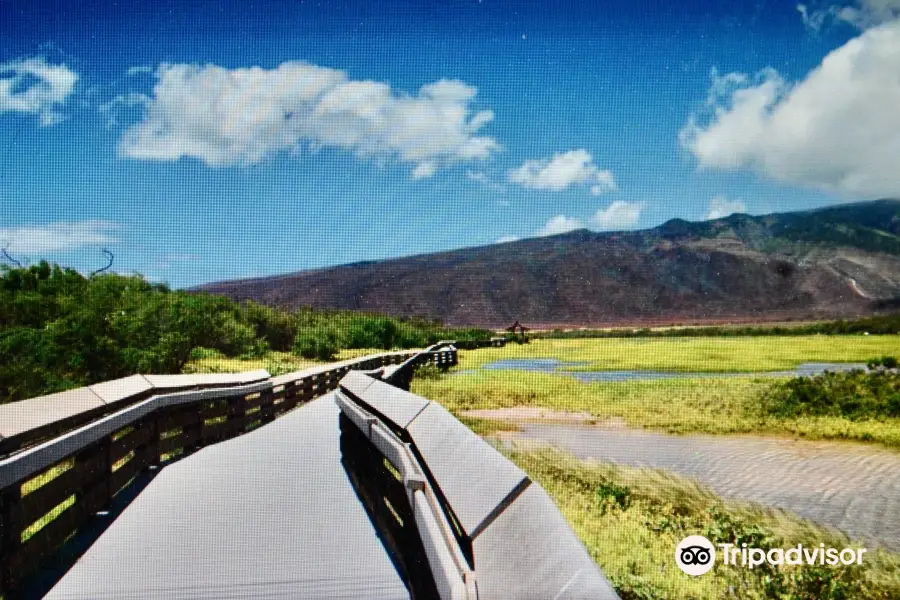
pixel 518 330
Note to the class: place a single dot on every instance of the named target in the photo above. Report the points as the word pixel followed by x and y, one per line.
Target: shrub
pixel 200 353
pixel 313 344
pixel 854 395
pixel 428 371
pixel 888 362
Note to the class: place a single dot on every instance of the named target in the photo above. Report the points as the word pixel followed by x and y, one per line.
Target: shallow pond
pixel 853 487
pixel 558 367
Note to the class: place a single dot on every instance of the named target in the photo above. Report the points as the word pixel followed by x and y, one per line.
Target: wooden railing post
pixel 8 541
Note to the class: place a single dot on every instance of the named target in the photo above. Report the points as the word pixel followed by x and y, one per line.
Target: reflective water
pixel 853 487
pixel 558 367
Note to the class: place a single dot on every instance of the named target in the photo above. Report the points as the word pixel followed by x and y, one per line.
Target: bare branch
pixel 110 258
pixel 10 258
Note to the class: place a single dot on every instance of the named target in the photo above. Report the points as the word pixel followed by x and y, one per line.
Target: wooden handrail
pixel 65 465
pixel 488 530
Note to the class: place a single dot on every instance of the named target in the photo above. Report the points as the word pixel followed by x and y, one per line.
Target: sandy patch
pixel 536 414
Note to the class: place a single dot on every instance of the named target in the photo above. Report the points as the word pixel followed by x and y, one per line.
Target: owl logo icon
pixel 695 555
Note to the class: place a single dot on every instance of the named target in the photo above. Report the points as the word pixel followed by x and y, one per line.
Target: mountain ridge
pixel 841 260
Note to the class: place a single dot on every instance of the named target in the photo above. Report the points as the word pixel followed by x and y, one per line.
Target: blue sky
pixel 213 140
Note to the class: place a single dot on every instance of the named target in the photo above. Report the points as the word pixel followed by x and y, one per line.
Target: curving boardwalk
pixel 852 487
pixel 271 514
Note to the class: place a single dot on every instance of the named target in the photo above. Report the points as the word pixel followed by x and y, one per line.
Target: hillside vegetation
pixel 60 329
pixel 838 261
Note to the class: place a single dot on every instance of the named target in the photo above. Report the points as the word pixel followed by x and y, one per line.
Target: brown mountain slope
pixel 822 263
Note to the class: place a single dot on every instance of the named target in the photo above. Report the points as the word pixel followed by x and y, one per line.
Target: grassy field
pixel 630 520
pixel 276 363
pixel 718 406
pixel 681 405
pixel 698 355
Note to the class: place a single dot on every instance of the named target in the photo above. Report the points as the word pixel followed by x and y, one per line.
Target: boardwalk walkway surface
pixel 271 514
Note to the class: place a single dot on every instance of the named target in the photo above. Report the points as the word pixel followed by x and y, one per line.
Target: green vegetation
pixel 877 325
pixel 721 406
pixel 888 362
pixel 856 396
pixel 631 520
pixel 60 329
pixel 694 355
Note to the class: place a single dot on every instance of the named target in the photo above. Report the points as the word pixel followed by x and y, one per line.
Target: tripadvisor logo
pixel 696 555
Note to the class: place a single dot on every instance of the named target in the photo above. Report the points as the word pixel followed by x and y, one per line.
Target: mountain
pixel 837 261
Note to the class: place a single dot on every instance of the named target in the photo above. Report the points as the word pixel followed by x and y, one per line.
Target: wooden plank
pixel 95 497
pixel 181 417
pixel 143 457
pixel 186 439
pixel 92 464
pixel 214 409
pixel 27 510
pixel 210 434
pixel 267 414
pixel 258 401
pixel 44 543
pixel 143 432
pixel 47 414
pixel 9 538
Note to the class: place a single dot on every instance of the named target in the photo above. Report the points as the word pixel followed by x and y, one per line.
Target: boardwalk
pixel 271 514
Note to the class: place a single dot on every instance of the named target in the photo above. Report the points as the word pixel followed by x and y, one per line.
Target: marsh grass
pixel 693 354
pixel 631 520
pixel 729 405
pixel 276 363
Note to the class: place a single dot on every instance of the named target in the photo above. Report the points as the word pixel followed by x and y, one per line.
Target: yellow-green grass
pixel 693 354
pixel 631 520
pixel 721 405
pixel 276 363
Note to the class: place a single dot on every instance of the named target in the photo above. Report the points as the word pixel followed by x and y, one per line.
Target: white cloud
pixel 618 215
pixel 862 14
pixel 424 170
pixel 559 224
pixel 837 130
pixel 562 170
pixel 507 238
pixel 34 86
pixel 56 237
pixel 241 116
pixel 720 207
pixel 483 179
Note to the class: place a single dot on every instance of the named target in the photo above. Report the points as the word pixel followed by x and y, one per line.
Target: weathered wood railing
pixel 487 530
pixel 65 457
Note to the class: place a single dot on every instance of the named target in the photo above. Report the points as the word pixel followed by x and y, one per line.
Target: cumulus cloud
pixel 618 215
pixel 720 207
pixel 837 130
pixel 559 224
pixel 242 116
pixel 561 171
pixel 861 14
pixel 507 238
pixel 57 237
pixel 34 86
pixel 486 181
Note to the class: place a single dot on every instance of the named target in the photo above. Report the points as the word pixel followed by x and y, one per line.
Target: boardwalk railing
pixel 65 457
pixel 487 530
